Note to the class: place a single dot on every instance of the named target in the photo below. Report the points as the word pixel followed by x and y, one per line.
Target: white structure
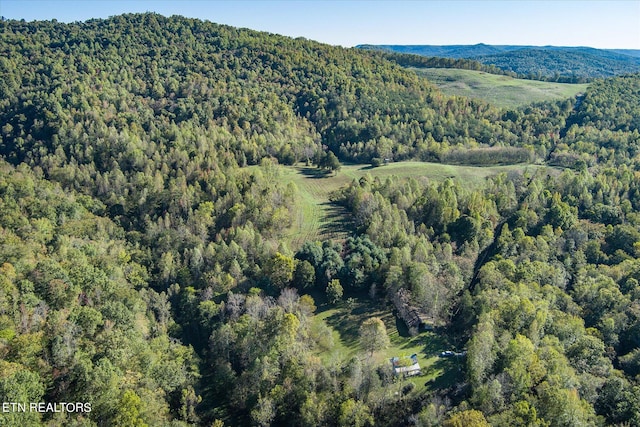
pixel 406 366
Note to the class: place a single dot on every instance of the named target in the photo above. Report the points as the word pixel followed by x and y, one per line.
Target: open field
pixel 502 91
pixel 317 218
pixel 470 175
pixel 344 321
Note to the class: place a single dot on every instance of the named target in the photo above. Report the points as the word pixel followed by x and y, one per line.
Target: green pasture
pixel 343 322
pixel 502 91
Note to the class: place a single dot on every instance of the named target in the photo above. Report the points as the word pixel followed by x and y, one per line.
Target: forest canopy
pixel 145 265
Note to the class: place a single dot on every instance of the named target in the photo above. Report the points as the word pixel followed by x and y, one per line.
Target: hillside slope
pixel 217 79
pixel 569 64
pixel 502 91
pixel 581 63
pixel 157 260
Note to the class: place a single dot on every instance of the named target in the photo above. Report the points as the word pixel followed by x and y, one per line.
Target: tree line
pixel 144 265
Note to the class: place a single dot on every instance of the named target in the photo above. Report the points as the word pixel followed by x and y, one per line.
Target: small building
pixel 406 366
pixel 415 319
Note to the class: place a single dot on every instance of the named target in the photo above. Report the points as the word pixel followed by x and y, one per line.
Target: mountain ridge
pixel 149 172
pixel 538 62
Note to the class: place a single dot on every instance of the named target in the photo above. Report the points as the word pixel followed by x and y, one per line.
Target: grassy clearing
pixel 502 91
pixel 473 176
pixel 318 219
pixel 344 322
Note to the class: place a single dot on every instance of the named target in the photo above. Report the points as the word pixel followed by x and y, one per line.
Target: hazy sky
pixel 600 24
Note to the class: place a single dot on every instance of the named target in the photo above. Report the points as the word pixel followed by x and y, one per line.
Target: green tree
pixel 468 418
pixel 264 412
pixel 522 365
pixel 354 413
pixel 128 411
pixel 334 291
pixel 481 352
pixel 373 335
pixel 280 269
pixel 19 385
pixel 304 275
pixel 314 410
pixel 329 161
pixel 560 213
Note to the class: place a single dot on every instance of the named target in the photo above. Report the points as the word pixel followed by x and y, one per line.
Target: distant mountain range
pixel 533 61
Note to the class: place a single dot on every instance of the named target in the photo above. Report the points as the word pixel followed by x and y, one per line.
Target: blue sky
pixel 600 24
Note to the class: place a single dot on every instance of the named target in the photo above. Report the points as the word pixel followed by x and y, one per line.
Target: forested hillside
pixel 145 269
pixel 580 64
pixel 550 63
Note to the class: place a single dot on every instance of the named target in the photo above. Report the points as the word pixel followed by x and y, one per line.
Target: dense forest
pixel 144 267
pixel 548 63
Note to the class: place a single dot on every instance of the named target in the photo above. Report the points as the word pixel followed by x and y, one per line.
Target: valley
pixel 205 225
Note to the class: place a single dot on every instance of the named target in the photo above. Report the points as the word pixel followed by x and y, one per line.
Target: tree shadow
pixel 336 222
pixel 314 173
pixel 360 310
pixel 450 369
pixel 402 328
pixel 348 319
pixel 435 344
pixel 348 329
